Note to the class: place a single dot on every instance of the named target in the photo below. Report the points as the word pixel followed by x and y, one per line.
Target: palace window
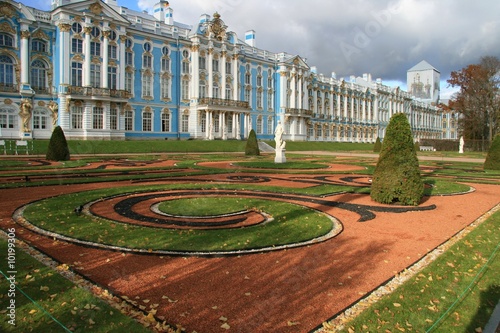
pixel 39 76
pixel 203 89
pixel 147 81
pixel 185 123
pixel 39 119
pixel 8 118
pixel 97 118
pixel 129 58
pixel 6 40
pixel 76 45
pixel 165 64
pixel 76 27
pixel 259 125
pixel 38 45
pixel 76 117
pixel 113 119
pixel 215 65
pixel 112 78
pixel 165 122
pixel 147 61
pixel 215 90
pixel 129 120
pixel 259 99
pixel 147 121
pixel 76 74
pixel 6 71
pixel 202 62
pixel 270 125
pixel 112 52
pixel 95 32
pixel 95 49
pixel 128 81
pixel 95 75
pixel 185 89
pixel 229 91
pixel 247 95
pixel 165 87
pixel 228 67
pixel 270 100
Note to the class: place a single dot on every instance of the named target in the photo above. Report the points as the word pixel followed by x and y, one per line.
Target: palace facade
pixel 102 71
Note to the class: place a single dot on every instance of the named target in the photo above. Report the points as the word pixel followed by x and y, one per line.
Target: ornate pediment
pixel 95 9
pixel 216 28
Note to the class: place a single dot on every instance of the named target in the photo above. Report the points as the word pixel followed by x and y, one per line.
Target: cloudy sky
pixel 352 37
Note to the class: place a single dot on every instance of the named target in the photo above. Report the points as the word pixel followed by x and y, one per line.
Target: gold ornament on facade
pixel 40 34
pixel 6 27
pixel 25 34
pixel 87 30
pixel 64 27
pixel 54 108
pixel 8 10
pixel 7 101
pixel 95 8
pixel 217 28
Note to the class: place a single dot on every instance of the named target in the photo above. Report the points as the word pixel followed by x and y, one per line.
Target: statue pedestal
pixel 280 156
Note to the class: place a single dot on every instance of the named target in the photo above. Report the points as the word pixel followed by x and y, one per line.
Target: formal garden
pixel 206 238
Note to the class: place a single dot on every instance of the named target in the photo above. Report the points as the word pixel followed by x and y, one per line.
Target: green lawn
pixel 45 301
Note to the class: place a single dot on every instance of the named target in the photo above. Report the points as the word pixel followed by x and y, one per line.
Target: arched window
pixel 147 121
pixel 6 40
pixel 38 45
pixel 40 119
pixel 8 117
pixel 6 71
pixel 39 76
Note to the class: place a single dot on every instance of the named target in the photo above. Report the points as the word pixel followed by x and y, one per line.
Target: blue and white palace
pixel 102 71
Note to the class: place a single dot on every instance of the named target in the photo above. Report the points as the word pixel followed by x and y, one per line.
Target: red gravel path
pixel 284 291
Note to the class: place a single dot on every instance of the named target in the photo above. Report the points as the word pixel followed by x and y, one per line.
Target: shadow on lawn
pixel 489 299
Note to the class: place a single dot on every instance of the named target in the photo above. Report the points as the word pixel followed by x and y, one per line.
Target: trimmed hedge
pixel 378 146
pixel 252 147
pixel 492 161
pixel 58 146
pixel 397 178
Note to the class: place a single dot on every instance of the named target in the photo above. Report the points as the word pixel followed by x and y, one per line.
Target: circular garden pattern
pixel 198 222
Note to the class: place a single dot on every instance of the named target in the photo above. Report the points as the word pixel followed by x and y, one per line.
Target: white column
pixel 64 44
pixel 293 101
pixel 25 35
pixel 235 77
pixel 105 60
pixel 195 75
pixel 86 64
pixel 223 75
pixel 210 73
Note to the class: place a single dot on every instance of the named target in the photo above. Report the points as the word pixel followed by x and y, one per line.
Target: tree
pixel 478 100
pixel 492 161
pixel 252 147
pixel 377 146
pixel 397 175
pixel 58 146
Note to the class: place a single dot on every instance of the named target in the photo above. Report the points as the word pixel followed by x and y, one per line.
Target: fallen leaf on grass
pixel 44 288
pixel 292 323
pixel 396 305
pixel 225 326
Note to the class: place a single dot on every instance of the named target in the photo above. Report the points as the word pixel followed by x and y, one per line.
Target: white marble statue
pixel 461 147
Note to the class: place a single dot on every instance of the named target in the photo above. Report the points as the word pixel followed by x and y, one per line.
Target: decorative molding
pixel 96 8
pixel 40 34
pixel 25 34
pixel 64 27
pixel 8 10
pixel 6 27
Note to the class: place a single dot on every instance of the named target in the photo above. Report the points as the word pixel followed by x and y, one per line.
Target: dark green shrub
pixel 252 147
pixel 417 146
pixel 396 178
pixel 377 146
pixel 58 147
pixel 492 161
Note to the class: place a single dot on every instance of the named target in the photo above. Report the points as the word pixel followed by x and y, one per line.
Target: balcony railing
pixel 223 102
pixel 99 92
pixel 6 87
pixel 299 112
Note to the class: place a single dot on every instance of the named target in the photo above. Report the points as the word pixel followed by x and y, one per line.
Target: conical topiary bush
pixel 252 147
pixel 58 146
pixel 397 178
pixel 492 161
pixel 378 146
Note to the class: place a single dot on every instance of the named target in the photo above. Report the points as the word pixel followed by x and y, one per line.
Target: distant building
pixel 423 82
pixel 102 71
